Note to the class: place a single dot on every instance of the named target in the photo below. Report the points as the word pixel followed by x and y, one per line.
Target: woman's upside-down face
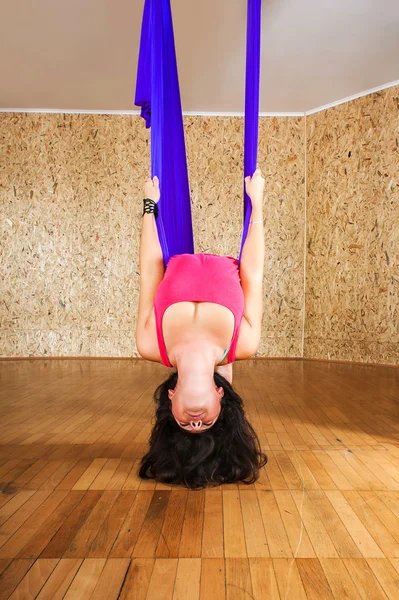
pixel 196 410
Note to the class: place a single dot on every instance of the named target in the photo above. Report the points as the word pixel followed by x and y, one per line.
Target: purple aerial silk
pixel 251 118
pixel 158 95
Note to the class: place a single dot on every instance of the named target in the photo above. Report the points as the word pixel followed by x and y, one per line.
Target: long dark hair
pixel 227 452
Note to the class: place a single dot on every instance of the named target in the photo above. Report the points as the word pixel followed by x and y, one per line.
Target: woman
pixel 191 315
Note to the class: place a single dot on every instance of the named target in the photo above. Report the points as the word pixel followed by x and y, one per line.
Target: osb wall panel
pixel 352 274
pixel 71 202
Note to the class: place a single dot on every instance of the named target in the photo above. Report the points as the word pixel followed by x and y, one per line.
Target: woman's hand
pixel 151 189
pixel 255 185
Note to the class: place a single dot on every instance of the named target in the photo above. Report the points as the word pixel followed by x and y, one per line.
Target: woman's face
pixel 196 410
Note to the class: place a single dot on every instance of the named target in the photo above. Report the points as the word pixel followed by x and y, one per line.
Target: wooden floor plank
pixel 105 476
pixel 36 544
pixel 347 470
pixel 314 580
pixel 297 534
pixel 150 532
pixel 123 526
pixel 395 563
pixel 7 466
pixel 15 501
pixel 212 585
pixel 35 579
pixel 162 580
pixel 336 529
pixel 386 575
pixel 187 582
pixel 85 580
pixel 21 516
pixel 31 526
pixel 39 481
pixel 4 562
pixel 294 481
pixel 373 483
pixel 380 509
pixel 288 579
pixel 169 540
pixel 238 579
pixel 212 538
pixel 234 536
pixel 305 474
pixel 381 472
pixel 90 474
pixel 27 475
pixel 111 579
pixel 264 584
pixel 255 536
pixel 64 467
pixel 276 535
pixel 132 481
pixel 191 537
pixel 73 476
pixel 317 469
pixel 82 541
pixel 12 575
pixel 318 534
pixel 333 471
pixel 365 581
pixel 120 474
pixel 137 580
pixel 380 534
pixel 339 580
pixel 356 528
pixel 64 536
pixel 391 499
pixel 60 579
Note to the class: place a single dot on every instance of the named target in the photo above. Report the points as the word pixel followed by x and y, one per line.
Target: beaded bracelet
pixel 149 206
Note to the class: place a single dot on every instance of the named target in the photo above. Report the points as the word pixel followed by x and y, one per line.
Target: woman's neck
pixel 196 357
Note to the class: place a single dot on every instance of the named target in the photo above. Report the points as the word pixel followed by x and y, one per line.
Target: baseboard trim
pixel 137 358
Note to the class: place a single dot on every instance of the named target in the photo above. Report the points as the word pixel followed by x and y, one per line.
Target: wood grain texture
pixel 321 523
pixel 70 208
pixel 352 261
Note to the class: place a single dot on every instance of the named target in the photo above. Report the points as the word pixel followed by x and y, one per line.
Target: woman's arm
pixel 151 264
pixel 252 263
pixel 226 371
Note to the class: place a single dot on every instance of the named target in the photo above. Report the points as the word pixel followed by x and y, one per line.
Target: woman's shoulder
pixel 246 340
pixel 147 340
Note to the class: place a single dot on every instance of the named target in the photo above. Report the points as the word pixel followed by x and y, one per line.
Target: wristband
pixel 149 206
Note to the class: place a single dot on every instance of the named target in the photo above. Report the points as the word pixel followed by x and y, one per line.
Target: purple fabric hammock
pixel 158 95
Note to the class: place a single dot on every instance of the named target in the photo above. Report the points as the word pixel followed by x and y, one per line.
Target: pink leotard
pixel 200 278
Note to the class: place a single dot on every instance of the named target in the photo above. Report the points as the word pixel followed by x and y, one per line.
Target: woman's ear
pixel 171 394
pixel 220 391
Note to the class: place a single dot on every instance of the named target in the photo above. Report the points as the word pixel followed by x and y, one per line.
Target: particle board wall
pixel 352 272
pixel 71 203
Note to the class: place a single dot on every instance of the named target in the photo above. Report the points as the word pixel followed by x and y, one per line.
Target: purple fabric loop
pixel 158 95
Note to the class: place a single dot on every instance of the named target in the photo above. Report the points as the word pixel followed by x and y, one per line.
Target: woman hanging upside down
pixel 198 316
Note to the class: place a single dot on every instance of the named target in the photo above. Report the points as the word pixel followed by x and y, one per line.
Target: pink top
pixel 200 278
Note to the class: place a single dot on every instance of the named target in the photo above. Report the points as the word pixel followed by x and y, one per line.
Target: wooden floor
pixel 75 521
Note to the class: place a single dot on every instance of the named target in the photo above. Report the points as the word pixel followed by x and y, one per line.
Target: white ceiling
pixel 82 54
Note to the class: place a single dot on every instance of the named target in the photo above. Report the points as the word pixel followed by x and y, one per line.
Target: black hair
pixel 227 452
